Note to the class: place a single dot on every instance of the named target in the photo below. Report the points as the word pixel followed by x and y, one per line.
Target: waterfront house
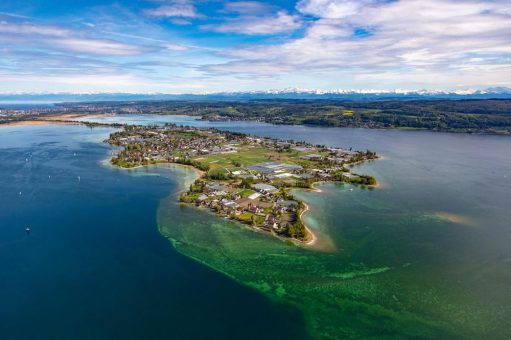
pixel 229 205
pixel 202 198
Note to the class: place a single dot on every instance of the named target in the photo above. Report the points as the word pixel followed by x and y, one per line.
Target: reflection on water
pixel 454 218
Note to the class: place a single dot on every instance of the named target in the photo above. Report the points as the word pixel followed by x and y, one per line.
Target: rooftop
pixel 265 187
pixel 270 167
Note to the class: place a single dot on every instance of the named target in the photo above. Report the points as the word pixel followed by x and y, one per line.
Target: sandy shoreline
pixel 71 116
pixel 314 238
pixel 67 118
pixel 25 123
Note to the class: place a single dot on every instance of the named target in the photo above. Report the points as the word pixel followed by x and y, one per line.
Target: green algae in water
pixel 365 290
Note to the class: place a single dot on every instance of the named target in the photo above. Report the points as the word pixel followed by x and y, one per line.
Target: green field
pixel 244 157
pixel 250 155
pixel 246 192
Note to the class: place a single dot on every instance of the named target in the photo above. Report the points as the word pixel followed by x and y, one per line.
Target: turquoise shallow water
pixel 425 255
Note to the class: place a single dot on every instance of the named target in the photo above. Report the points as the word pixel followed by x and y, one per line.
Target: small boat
pixel 27 229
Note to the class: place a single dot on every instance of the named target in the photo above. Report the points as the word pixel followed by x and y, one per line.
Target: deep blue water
pixel 94 265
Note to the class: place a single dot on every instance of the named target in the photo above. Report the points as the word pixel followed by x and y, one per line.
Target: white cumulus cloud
pixel 175 9
pixel 258 25
pixel 404 38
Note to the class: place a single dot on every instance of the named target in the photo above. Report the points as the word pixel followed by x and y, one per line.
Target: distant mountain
pixel 355 95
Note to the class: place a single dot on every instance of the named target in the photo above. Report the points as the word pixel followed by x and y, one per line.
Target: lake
pixel 424 255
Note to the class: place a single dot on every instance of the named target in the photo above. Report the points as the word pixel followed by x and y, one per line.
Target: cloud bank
pixel 253 45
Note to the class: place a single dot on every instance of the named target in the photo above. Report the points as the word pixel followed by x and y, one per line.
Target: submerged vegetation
pixel 342 294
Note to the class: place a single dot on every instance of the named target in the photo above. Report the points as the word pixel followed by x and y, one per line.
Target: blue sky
pixel 186 46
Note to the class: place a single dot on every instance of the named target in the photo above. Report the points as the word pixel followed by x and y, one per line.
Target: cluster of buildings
pixel 14 114
pixel 262 205
pixel 168 143
pixel 256 194
pixel 322 168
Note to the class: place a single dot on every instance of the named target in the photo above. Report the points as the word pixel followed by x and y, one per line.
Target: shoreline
pixel 319 241
pixel 64 116
pixel 158 148
pixel 314 238
pixel 199 174
pixel 318 190
pixel 24 123
pixel 64 119
pixel 380 128
pixel 310 241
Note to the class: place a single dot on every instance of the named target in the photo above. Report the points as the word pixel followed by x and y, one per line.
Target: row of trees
pixel 194 163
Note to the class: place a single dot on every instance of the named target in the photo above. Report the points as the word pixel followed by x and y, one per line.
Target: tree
pixel 247 182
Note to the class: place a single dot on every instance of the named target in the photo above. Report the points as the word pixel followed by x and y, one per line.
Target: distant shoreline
pixel 64 119
pixel 26 123
pixel 493 131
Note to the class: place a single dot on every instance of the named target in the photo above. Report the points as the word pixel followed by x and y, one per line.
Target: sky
pixel 204 46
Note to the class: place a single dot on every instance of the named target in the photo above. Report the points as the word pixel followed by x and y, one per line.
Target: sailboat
pixel 27 229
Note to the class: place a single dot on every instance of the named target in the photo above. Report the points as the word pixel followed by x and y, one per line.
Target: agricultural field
pixel 248 155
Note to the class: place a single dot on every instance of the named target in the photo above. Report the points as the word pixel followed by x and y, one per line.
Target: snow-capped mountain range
pixel 292 93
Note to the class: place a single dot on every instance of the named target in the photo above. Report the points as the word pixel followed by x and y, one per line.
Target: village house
pixel 215 187
pixel 265 188
pixel 288 205
pixel 229 205
pixel 271 222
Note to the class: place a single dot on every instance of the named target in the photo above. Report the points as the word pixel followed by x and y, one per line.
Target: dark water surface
pixel 426 255
pixel 94 265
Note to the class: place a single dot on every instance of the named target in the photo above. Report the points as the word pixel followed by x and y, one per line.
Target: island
pixel 242 177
